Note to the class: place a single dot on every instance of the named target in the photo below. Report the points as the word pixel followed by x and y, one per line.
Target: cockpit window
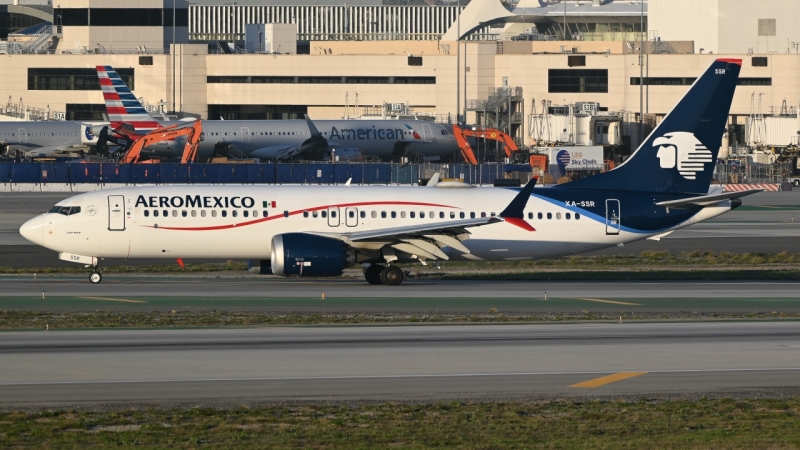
pixel 65 210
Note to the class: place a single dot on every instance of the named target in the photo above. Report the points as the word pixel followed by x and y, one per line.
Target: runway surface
pixel 397 363
pixel 130 293
pixel 769 222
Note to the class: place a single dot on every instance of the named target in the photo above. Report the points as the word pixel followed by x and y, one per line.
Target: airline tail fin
pixel 122 106
pixel 680 154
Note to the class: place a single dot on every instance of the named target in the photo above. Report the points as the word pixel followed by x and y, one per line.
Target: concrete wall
pixel 726 26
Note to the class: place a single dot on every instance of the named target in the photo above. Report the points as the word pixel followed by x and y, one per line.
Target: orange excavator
pixel 193 135
pixel 462 134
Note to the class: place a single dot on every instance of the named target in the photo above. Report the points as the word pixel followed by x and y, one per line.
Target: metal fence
pixel 745 172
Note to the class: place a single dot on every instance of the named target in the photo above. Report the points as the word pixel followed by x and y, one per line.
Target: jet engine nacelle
pixel 309 255
pixel 259 266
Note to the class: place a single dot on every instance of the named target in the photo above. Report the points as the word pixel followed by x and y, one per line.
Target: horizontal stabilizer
pixel 705 200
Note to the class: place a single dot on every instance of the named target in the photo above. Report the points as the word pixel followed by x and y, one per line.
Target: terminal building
pixel 369 58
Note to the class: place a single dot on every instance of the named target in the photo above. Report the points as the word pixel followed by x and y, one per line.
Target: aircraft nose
pixel 33 230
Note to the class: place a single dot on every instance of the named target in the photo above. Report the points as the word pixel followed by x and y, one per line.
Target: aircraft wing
pixel 425 241
pixel 42 151
pixel 705 200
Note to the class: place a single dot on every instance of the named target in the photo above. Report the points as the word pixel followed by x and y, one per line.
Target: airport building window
pixel 86 111
pixel 121 17
pixel 759 61
pixel 577 80
pixel 145 60
pixel 270 79
pixel 257 112
pixel 66 79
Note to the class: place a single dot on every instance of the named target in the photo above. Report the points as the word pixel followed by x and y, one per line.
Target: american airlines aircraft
pixel 283 139
pixel 43 138
pixel 321 230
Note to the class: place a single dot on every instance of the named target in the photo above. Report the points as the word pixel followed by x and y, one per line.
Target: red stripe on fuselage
pixel 292 213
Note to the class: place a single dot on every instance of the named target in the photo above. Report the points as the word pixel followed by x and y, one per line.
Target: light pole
pixel 458 61
pixel 641 75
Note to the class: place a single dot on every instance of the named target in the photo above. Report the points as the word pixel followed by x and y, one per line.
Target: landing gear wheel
pixel 95 277
pixel 373 274
pixel 392 276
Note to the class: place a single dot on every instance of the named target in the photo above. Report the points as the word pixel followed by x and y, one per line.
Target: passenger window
pixel 255 213
pixel 374 214
pixel 394 215
pixel 421 214
pixel 351 214
pixel 265 213
pixel 235 213
pixel 577 216
pixel 146 213
pixel 383 214
pixel 245 213
pixel 174 213
pixel 530 216
pixel 213 213
pixel 363 214
pixel 333 214
pixel 472 215
pixel 453 215
pixel 411 214
pixel 549 216
pixel 568 216
pixel 441 215
pixel 194 213
pixel 314 214
pixel 203 213
pixel 483 214
pixel 165 213
pixel 305 214
pixel 461 215
pixel 224 213
pixel 558 216
pixel 324 214
pixel 540 216
pixel 286 214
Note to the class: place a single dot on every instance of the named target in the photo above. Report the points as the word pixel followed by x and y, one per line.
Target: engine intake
pixel 309 255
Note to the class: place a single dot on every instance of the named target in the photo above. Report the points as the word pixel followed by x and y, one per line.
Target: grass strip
pixel 623 275
pixel 647 260
pixel 683 424
pixel 41 320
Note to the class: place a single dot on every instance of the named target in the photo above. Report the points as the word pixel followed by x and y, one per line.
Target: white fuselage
pixel 238 222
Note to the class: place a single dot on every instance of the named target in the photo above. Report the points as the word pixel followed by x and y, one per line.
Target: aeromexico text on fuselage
pixel 196 201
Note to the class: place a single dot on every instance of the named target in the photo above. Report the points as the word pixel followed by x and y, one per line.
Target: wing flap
pixel 705 200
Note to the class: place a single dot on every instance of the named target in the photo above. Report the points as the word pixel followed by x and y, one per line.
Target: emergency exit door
pixel 116 212
pixel 613 217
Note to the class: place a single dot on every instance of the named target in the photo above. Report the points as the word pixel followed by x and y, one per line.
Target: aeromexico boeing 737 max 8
pixel 319 231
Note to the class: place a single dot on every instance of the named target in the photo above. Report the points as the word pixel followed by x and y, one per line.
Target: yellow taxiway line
pixel 607 379
pixel 114 299
pixel 613 302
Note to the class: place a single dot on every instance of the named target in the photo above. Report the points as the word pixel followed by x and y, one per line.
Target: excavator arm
pixel 462 134
pixel 193 135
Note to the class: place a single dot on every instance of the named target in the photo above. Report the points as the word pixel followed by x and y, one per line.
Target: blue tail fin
pixel 680 154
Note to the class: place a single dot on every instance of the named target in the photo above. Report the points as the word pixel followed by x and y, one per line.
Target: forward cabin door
pixel 116 212
pixel 245 135
pixel 613 216
pixel 427 133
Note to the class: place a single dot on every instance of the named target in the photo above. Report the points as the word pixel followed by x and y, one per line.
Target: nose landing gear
pixel 96 277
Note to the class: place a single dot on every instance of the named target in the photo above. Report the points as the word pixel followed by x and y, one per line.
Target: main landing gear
pixel 389 275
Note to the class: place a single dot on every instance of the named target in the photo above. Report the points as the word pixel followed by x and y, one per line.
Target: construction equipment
pixel 193 135
pixel 462 134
